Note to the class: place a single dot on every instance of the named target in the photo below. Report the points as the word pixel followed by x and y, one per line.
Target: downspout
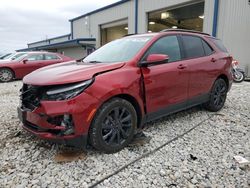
pixel 71 27
pixel 136 16
pixel 215 20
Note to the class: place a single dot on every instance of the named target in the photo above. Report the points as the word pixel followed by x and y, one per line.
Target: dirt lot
pixel 193 148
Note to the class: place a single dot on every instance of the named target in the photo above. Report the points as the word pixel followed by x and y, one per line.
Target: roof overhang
pixel 99 10
pixel 66 44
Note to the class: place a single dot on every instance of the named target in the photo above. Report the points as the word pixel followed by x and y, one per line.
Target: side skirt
pixel 176 108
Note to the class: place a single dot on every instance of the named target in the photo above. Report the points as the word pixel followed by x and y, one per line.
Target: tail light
pixel 234 62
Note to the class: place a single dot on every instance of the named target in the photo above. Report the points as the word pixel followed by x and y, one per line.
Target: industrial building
pixel 228 20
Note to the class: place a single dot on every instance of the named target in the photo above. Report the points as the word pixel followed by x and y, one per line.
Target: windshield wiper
pixel 94 62
pixel 91 61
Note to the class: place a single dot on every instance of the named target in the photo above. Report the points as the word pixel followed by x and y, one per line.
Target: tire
pixel 113 126
pixel 240 77
pixel 6 75
pixel 218 96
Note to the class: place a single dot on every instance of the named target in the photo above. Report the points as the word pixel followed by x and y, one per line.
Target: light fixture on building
pixel 126 28
pixel 151 23
pixel 174 27
pixel 202 16
pixel 149 31
pixel 164 15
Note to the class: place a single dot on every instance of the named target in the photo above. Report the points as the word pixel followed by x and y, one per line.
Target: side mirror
pixel 25 61
pixel 155 59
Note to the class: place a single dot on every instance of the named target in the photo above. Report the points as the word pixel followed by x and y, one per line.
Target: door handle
pixel 181 66
pixel 213 60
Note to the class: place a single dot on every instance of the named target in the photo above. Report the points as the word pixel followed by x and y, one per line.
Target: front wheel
pixel 113 126
pixel 6 75
pixel 218 96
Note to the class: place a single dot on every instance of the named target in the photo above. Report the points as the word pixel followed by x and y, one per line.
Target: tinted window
pixel 51 57
pixel 207 48
pixel 218 43
pixel 193 46
pixel 167 45
pixel 35 57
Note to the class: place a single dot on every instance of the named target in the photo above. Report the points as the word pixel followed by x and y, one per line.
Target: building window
pixel 186 17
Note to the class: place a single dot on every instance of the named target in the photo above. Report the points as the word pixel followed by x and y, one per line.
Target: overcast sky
pixel 25 21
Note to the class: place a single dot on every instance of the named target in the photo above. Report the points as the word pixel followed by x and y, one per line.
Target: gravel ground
pixel 193 148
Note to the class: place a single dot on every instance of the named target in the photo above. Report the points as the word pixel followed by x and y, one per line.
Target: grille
pixel 30 96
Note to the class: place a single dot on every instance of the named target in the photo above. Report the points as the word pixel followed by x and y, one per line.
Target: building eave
pixel 76 42
pixel 99 10
pixel 62 36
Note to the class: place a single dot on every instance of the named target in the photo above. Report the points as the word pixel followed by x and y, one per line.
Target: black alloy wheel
pixel 113 126
pixel 117 126
pixel 218 96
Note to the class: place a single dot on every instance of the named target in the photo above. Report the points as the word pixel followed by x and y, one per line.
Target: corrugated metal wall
pixel 61 39
pixel 49 41
pixel 90 26
pixel 234 29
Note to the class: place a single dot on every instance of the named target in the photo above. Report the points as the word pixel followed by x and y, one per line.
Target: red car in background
pixel 27 63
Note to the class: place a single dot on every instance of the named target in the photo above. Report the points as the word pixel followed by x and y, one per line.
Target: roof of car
pixel 175 31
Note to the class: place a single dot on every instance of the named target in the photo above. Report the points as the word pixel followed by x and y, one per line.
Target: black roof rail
pixel 185 30
pixel 127 35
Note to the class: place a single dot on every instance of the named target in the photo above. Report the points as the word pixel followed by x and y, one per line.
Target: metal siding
pixel 208 16
pixel 122 11
pixel 80 29
pixel 74 52
pixel 234 29
pixel 38 44
pixel 61 39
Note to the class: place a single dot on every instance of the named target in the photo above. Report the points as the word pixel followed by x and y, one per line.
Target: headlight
pixel 65 92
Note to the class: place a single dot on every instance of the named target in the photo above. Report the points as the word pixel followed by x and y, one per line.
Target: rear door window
pixel 193 46
pixel 208 49
pixel 35 57
pixel 51 57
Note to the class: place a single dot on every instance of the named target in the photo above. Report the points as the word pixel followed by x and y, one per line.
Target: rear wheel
pixel 239 76
pixel 6 75
pixel 218 96
pixel 113 126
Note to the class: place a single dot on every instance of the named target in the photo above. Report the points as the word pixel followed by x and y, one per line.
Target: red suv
pixel 26 62
pixel 116 89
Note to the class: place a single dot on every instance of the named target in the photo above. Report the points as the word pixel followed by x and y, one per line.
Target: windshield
pixel 8 56
pixel 16 57
pixel 119 50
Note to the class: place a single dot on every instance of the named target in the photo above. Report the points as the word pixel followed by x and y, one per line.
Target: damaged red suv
pixel 106 98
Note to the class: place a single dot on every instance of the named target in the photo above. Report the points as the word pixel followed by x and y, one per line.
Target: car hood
pixel 2 61
pixel 69 72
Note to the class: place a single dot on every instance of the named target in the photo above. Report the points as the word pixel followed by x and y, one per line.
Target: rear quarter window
pixel 218 43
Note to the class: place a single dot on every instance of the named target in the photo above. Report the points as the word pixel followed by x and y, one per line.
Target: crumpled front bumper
pixel 81 109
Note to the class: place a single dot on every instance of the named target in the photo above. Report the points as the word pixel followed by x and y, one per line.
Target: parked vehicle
pixel 238 74
pixel 28 62
pixel 12 56
pixel 4 56
pixel 116 89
